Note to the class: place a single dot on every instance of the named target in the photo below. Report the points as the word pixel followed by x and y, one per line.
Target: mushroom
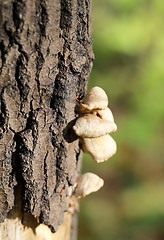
pixel 91 126
pixel 88 183
pixel 100 148
pixel 94 124
pixel 72 204
pixel 96 98
pixel 105 114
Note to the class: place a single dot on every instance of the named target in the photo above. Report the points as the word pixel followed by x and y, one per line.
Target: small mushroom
pixel 94 124
pixel 88 183
pixel 72 204
pixel 96 98
pixel 105 114
pixel 91 126
pixel 100 148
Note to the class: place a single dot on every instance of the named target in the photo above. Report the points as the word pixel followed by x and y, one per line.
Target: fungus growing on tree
pixel 100 148
pixel 87 183
pixel 105 114
pixel 91 126
pixel 95 99
pixel 94 124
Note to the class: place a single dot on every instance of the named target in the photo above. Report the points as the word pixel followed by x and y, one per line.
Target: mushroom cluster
pixel 93 126
pixel 85 184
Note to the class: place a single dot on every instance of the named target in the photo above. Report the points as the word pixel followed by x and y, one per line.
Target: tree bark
pixel 45 59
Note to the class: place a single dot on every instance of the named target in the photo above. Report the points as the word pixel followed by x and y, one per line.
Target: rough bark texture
pixel 45 59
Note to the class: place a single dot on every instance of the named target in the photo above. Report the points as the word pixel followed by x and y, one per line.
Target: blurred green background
pixel 129 65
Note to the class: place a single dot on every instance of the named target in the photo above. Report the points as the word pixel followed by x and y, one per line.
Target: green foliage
pixel 129 54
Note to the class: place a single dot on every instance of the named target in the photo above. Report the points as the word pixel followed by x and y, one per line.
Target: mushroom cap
pixel 105 114
pixel 88 183
pixel 91 126
pixel 101 148
pixel 96 98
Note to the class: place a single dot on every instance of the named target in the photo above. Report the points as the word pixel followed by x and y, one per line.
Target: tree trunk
pixel 45 59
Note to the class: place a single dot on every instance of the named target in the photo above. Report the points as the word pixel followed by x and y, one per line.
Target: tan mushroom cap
pixel 88 183
pixel 105 114
pixel 96 98
pixel 91 126
pixel 101 148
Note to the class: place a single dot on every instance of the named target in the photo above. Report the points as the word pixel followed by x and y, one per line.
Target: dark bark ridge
pixel 45 59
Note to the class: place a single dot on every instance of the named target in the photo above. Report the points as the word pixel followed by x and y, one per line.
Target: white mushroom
pixel 96 98
pixel 100 148
pixel 88 183
pixel 94 125
pixel 91 126
pixel 105 114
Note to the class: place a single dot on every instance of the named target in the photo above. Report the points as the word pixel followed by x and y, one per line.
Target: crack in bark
pixel 39 65
pixel 44 198
pixel 3 111
pixel 66 16
pixel 42 20
pixel 19 9
pixel 21 75
pixel 3 53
